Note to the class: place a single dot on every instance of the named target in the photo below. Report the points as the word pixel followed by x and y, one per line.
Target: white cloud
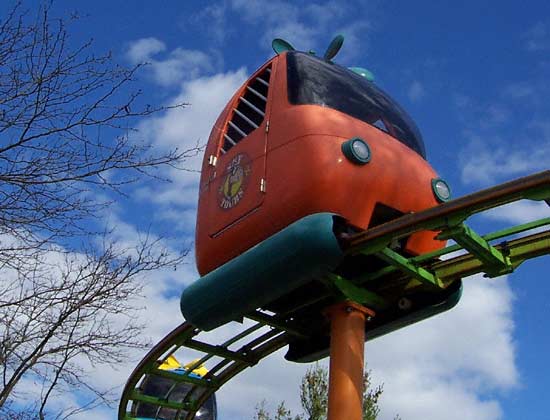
pixel 416 91
pixel 215 16
pixel 537 38
pixel 519 91
pixel 206 96
pixel 325 13
pixel 484 163
pixel 446 367
pixel 179 65
pixel 357 38
pixel 520 212
pixel 143 49
pixel 421 404
pixel 495 115
pixel 276 10
pixel 273 380
pixel 279 19
pixel 306 27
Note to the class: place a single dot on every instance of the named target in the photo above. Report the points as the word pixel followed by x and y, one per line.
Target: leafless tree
pixel 67 311
pixel 66 132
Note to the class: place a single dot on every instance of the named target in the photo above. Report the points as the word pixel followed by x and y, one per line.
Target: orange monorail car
pixel 305 146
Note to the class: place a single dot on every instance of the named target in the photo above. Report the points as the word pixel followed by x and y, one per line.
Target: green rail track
pixel 267 330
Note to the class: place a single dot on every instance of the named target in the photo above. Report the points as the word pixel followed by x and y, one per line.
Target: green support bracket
pixel 272 321
pixel 528 248
pixel 519 250
pixel 179 378
pixel 138 396
pixel 419 273
pixel 357 294
pixel 432 256
pixel 488 237
pixel 540 194
pixel 220 351
pixel 495 262
pixel 376 245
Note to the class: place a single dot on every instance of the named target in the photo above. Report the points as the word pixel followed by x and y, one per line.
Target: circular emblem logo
pixel 234 181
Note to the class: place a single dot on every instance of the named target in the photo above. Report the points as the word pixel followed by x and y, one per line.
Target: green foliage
pixel 261 412
pixel 282 413
pixel 370 398
pixel 314 392
pixel 314 398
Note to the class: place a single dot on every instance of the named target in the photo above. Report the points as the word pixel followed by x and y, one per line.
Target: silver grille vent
pixel 250 111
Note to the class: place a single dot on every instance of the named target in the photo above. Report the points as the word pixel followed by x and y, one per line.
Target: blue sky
pixel 473 75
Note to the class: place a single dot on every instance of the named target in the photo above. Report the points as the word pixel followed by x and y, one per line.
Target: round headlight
pixel 441 190
pixel 356 150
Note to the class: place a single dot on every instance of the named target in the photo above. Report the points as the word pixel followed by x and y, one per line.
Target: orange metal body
pixel 293 166
pixel 347 350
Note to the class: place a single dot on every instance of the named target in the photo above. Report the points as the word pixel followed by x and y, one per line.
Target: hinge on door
pixel 212 160
pixel 262 185
pixel 267 127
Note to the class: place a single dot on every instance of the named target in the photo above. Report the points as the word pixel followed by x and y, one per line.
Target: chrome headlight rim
pixel 441 190
pixel 357 151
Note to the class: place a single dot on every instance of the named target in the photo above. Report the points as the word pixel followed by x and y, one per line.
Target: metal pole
pixel 347 346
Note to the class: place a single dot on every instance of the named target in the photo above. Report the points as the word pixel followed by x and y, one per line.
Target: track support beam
pixel 419 273
pixel 494 261
pixel 347 347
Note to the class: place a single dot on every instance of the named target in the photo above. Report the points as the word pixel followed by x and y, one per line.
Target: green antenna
pixel 334 47
pixel 280 45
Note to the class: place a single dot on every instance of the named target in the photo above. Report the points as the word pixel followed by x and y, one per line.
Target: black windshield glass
pixel 315 81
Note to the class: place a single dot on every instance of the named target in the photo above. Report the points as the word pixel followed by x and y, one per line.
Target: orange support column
pixel 347 346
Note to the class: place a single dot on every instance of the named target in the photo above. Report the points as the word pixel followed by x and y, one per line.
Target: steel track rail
pixel 533 187
pixel 255 343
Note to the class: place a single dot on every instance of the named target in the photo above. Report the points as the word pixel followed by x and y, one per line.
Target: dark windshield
pixel 315 81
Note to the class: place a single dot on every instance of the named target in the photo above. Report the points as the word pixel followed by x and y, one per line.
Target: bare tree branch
pixel 66 118
pixel 67 131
